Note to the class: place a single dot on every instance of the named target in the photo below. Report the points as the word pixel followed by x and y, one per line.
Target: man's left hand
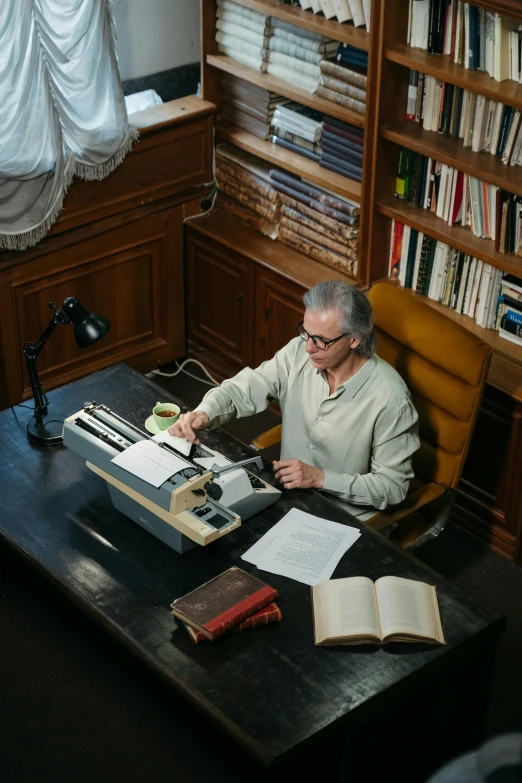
pixel 294 474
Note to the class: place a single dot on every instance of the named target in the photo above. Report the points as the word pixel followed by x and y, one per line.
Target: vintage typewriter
pixel 206 497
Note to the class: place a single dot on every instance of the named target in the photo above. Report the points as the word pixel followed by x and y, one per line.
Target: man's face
pixel 326 324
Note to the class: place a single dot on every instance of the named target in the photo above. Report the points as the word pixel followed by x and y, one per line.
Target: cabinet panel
pixel 132 275
pixel 279 308
pixel 219 302
pixel 490 495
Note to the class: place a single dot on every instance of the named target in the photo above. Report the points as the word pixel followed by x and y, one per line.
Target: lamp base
pixel 47 432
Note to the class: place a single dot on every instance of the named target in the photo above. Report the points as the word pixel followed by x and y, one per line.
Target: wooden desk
pixel 270 689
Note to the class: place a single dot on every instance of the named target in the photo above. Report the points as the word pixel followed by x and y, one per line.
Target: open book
pixel 357 611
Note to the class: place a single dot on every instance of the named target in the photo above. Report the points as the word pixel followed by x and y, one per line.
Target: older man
pixel 349 425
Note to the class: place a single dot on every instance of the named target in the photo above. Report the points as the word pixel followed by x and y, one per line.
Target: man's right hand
pixel 187 424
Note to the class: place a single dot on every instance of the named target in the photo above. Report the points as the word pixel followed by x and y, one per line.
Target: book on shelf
pixel 280 141
pixel 269 614
pixel 223 602
pixel 341 99
pixel 356 610
pixel 343 208
pixel 299 141
pixel 316 250
pixel 344 74
pixel 268 227
pixel 258 127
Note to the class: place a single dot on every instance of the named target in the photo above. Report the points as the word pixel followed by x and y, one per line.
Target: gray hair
pixel 354 308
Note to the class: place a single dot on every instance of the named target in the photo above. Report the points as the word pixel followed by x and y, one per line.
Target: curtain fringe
pixel 99 171
pixel 34 235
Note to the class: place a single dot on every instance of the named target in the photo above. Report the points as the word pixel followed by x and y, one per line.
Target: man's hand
pixel 294 474
pixel 187 424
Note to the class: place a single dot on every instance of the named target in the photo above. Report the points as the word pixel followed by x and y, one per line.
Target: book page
pixel 405 607
pixel 345 608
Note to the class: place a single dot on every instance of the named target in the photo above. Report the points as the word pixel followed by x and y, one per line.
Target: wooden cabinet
pixel 118 248
pixel 220 296
pixel 278 309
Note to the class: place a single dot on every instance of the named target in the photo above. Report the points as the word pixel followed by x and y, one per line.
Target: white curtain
pixel 62 109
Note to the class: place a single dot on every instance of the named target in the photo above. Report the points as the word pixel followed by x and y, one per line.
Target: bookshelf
pixel 214 64
pixel 489 501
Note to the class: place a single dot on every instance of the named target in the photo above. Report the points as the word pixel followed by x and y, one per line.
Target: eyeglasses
pixel 319 342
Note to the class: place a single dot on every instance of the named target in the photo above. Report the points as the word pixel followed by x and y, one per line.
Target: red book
pixel 224 602
pixel 270 614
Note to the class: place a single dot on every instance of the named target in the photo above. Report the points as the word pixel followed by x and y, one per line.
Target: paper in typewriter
pixel 150 462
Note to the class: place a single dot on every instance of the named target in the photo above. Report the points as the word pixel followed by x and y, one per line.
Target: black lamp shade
pixel 88 327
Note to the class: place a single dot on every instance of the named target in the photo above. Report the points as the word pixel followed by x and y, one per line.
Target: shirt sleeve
pixel 250 391
pixel 396 439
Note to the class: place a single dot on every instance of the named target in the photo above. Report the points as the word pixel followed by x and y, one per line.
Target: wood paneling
pixel 278 309
pixel 130 275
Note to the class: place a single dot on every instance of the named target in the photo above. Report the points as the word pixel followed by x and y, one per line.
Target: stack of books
pixel 352 57
pixel 317 222
pixel 356 11
pixel 242 34
pixel 342 85
pixel 483 125
pixel 295 54
pixel 248 106
pixel 233 601
pixel 245 189
pixel 298 128
pixel 446 275
pixel 473 37
pixel 342 148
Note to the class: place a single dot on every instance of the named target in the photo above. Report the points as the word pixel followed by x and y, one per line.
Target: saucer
pixel 152 427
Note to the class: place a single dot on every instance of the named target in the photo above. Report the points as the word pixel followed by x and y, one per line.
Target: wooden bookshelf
pixel 288 160
pixel 344 33
pixel 450 151
pixel 289 90
pixel 440 66
pixel 459 237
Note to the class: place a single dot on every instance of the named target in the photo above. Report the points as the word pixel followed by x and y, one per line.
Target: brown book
pixel 297 184
pixel 223 602
pixel 258 128
pixel 231 207
pixel 319 252
pixel 355 610
pixel 322 239
pixel 238 157
pixel 304 214
pixel 269 614
pixel 237 86
pixel 340 100
pixel 348 75
pixel 263 115
pixel 344 88
pixel 246 181
pixel 252 201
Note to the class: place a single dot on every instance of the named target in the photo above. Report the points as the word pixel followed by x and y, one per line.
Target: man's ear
pixel 356 341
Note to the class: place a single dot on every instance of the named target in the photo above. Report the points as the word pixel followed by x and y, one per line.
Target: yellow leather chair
pixel 445 367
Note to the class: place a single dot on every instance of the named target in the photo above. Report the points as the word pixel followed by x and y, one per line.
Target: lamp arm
pixel 31 352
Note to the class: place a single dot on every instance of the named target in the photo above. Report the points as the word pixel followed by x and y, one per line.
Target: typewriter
pixel 206 496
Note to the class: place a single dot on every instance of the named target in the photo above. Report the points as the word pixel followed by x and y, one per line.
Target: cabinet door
pixel 490 492
pixel 279 308
pixel 132 275
pixel 219 304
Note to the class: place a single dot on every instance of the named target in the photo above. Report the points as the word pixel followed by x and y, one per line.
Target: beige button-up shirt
pixel 363 435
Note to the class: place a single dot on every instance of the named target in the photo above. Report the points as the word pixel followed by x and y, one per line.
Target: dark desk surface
pixel 270 688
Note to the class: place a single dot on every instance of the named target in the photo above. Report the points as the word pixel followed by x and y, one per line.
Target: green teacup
pixel 165 414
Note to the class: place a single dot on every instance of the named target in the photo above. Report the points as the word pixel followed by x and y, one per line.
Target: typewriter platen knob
pixel 214 490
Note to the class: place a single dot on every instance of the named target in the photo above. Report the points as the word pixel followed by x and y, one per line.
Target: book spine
pixel 344 88
pixel 317 217
pixel 313 236
pixel 246 181
pixel 340 99
pixel 343 74
pixel 313 193
pixel 317 251
pixel 237 210
pixel 227 620
pixel 268 209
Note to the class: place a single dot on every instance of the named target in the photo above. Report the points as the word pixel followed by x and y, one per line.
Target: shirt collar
pixel 354 384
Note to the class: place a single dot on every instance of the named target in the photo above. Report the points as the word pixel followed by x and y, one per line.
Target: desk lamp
pixel 42 429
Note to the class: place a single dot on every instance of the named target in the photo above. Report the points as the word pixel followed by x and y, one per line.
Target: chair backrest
pixel 445 368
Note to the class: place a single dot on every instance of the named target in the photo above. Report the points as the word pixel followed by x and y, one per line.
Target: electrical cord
pixel 180 369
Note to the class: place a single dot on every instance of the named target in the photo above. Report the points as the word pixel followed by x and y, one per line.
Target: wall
pixel 156 35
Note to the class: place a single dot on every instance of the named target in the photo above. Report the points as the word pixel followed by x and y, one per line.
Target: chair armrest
pixel 266 439
pixel 410 504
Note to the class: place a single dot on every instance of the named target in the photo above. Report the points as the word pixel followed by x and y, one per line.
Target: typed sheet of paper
pixel 303 547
